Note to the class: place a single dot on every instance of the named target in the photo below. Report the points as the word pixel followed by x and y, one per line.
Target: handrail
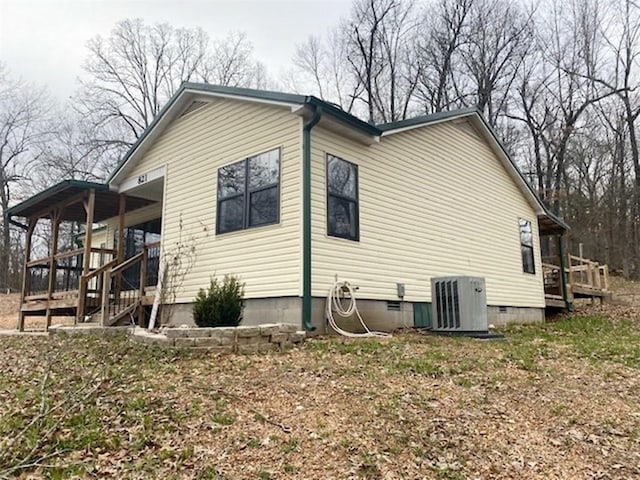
pixel 101 270
pixel 103 250
pixel 550 266
pixel 127 263
pixel 39 261
pixel 69 253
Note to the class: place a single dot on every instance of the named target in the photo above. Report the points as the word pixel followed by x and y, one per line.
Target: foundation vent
pixel 393 306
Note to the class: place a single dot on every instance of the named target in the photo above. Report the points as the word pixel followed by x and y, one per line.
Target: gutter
pixel 306 217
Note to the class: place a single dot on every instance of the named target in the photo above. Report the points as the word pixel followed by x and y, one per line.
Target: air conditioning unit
pixel 459 304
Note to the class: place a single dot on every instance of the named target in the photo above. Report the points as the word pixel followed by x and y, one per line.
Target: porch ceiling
pixel 550 225
pixel 70 194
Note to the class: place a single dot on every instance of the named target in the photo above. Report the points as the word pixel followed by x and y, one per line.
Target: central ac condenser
pixel 459 304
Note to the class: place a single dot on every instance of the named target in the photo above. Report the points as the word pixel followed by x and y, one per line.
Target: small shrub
pixel 221 305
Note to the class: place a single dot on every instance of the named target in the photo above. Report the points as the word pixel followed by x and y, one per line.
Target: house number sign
pixel 142 178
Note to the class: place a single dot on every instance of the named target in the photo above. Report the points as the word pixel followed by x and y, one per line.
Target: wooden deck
pixel 109 292
pixel 583 278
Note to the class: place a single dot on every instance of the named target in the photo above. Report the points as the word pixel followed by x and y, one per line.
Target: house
pixel 289 192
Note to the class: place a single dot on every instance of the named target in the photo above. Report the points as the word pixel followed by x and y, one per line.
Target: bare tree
pixel 496 42
pixel 444 28
pixel 23 129
pixel 132 73
pixel 320 67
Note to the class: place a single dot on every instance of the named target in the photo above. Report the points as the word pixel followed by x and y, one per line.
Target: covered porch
pixel 567 277
pixel 552 233
pixel 76 278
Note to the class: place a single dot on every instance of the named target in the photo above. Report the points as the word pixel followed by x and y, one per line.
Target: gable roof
pixel 549 221
pixel 188 91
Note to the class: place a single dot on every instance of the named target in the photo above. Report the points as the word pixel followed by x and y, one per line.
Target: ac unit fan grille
pixel 448 304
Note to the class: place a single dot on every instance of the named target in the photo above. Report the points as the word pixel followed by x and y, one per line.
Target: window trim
pixel 356 201
pixel 524 245
pixel 246 204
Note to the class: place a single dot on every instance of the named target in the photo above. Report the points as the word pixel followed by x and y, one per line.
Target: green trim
pixel 16 210
pixel 306 218
pixel 266 95
pixel 427 119
pixel 563 274
pixel 333 111
pixel 147 131
pixel 338 113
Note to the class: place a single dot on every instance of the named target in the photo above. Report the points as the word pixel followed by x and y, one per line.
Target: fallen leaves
pixel 535 406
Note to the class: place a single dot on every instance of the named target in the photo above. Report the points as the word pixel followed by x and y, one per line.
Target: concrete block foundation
pixel 381 315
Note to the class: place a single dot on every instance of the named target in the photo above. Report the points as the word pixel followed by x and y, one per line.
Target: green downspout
pixel 563 275
pixel 306 218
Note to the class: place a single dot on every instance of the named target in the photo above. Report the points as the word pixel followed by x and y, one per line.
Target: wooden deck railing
pixel 585 273
pixel 584 277
pixel 68 268
pixel 128 282
pixel 113 289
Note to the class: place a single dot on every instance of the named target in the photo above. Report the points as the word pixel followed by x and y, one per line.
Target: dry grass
pixel 557 401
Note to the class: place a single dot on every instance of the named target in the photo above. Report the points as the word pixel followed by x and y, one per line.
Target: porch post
pixel 89 207
pixel 120 250
pixel 25 270
pixel 563 274
pixel 56 217
pixel 121 213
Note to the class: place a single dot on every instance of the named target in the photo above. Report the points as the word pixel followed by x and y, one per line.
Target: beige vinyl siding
pixel 433 201
pixel 192 149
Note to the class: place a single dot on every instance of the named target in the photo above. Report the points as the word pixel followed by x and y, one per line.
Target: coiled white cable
pixel 339 292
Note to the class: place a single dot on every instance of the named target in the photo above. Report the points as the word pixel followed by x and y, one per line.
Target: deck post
pixel 143 281
pixel 563 273
pixel 56 217
pixel 25 270
pixel 89 207
pixel 106 281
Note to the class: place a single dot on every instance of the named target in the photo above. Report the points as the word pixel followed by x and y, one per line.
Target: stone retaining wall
pixel 242 339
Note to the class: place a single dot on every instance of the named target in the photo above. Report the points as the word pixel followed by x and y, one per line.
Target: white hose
pixel 339 292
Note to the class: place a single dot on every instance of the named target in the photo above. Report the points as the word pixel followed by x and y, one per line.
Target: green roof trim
pixel 328 109
pixel 427 119
pixel 57 188
pixel 266 95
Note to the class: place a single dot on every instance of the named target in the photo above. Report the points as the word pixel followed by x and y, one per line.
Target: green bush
pixel 221 305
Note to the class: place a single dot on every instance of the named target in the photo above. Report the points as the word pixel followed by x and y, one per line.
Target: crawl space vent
pixel 393 306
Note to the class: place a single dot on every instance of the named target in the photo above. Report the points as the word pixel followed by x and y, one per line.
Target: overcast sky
pixel 45 40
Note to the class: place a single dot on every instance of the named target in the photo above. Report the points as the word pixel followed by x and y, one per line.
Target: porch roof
pixel 549 224
pixel 70 195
